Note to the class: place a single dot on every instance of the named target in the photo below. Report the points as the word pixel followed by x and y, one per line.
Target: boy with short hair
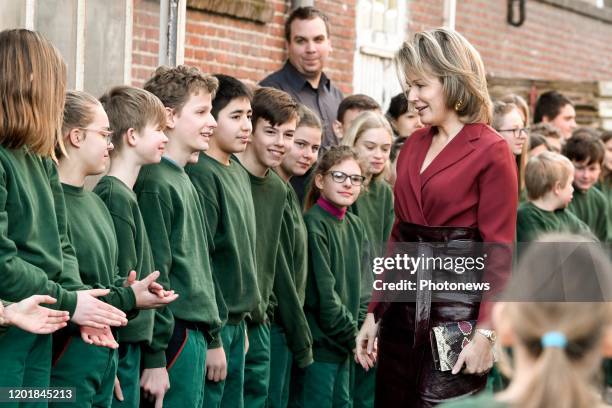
pixel 586 153
pixel 178 234
pixel 138 119
pixel 350 108
pixel 548 180
pixel 274 121
pixel 225 193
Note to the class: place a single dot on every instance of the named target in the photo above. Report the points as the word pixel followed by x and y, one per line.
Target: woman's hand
pixel 477 356
pixel 366 350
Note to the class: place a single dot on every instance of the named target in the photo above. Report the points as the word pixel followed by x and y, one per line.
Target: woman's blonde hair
pixel 447 55
pixel 32 89
pixel 365 121
pixel 561 376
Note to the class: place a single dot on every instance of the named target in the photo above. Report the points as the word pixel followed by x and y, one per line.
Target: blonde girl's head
pixel 322 175
pixel 371 136
pixel 32 90
pixel 557 345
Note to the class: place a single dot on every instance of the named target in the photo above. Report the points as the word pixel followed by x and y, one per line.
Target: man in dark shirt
pixel 302 77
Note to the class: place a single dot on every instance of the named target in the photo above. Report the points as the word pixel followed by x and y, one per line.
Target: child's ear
pixel 505 335
pixel 130 137
pixel 318 181
pixel 170 117
pixel 557 188
pixel 75 137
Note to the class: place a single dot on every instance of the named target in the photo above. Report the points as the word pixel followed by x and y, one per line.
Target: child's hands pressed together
pixel 149 294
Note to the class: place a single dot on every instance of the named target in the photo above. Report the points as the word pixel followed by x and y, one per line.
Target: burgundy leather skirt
pixel 406 376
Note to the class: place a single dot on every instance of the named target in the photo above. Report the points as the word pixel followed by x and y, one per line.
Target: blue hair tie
pixel 554 339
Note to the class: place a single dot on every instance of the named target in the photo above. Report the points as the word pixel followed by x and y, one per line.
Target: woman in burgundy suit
pixel 456 182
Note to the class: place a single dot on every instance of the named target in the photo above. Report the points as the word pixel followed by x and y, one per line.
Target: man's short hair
pixel 549 104
pixel 229 89
pixel 584 146
pixel 544 171
pixel 273 105
pixel 305 13
pixel 129 107
pixel 174 85
pixel 359 102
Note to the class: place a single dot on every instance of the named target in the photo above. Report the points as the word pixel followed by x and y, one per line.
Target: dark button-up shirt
pixel 323 100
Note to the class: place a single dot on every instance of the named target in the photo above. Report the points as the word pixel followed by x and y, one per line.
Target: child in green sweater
pixel 336 243
pixel 36 255
pixel 290 335
pixel 88 368
pixel 137 118
pixel 586 152
pixel 371 136
pixel 274 121
pixel 225 193
pixel 179 239
pixel 548 180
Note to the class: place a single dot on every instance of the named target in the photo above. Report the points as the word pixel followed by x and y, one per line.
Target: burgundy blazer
pixel 471 183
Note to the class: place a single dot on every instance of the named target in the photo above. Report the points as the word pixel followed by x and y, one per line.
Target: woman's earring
pixel 458 105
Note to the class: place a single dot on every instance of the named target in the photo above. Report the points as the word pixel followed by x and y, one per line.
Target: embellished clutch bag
pixel 447 341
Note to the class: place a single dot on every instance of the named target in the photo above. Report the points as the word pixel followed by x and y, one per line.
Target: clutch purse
pixel 447 341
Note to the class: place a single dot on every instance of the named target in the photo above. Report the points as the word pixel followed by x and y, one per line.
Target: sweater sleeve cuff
pixel 154 359
pixel 304 358
pixel 216 341
pixel 68 302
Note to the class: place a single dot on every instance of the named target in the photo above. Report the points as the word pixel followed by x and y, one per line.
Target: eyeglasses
pixel 106 134
pixel 516 132
pixel 340 177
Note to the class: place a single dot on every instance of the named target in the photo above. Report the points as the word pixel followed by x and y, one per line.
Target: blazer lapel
pixel 456 150
pixel 415 161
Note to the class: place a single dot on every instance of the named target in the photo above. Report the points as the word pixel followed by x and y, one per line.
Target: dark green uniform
pixel 333 295
pixel 592 207
pixel 134 255
pixel 290 337
pixel 225 194
pixel 532 221
pixel 270 202
pixel 375 209
pixel 90 369
pixel 36 257
pixel 177 232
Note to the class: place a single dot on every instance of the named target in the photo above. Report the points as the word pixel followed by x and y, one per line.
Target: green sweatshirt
pixel 532 221
pixel 225 194
pixel 334 282
pixel 374 207
pixel 592 207
pixel 287 302
pixel 177 232
pixel 270 202
pixel 36 256
pixel 134 248
pixel 91 231
pixel 483 400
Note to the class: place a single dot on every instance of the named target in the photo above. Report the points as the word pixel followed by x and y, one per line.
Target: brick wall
pixel 552 44
pixel 244 49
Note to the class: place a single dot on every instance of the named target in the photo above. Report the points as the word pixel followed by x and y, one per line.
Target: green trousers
pixel 281 360
pixel 89 369
pixel 327 385
pixel 25 361
pixel 186 370
pixel 128 372
pixel 257 366
pixel 229 393
pixel 364 386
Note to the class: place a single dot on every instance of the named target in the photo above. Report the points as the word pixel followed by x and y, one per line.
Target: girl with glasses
pixel 336 240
